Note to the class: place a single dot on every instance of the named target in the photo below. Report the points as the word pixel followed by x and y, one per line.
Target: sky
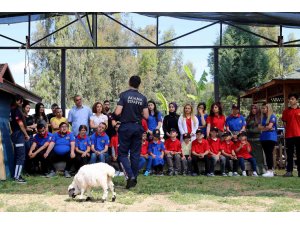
pixel 16 58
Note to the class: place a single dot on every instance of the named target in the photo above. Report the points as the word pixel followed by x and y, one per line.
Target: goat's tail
pixel 111 172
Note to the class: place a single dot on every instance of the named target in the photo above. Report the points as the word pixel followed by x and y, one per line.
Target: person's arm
pixel 202 120
pixel 49 149
pixel 146 113
pixel 54 126
pixel 118 110
pixel 180 125
pixel 41 148
pixel 70 118
pixel 78 150
pixel 72 143
pixel 92 124
pixel 105 149
pixel 23 129
pixel 208 126
pixel 32 148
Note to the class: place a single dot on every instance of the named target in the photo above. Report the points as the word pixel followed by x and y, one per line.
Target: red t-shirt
pixel 243 153
pixel 227 147
pixel 174 146
pixel 292 119
pixel 144 149
pixel 200 148
pixel 144 125
pixel 215 146
pixel 114 142
pixel 189 125
pixel 216 121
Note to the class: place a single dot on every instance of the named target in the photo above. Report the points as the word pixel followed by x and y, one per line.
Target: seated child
pixel 173 153
pixel 215 152
pixel 114 162
pixel 82 148
pixel 199 152
pixel 156 149
pixel 186 147
pixel 242 150
pixel 145 157
pixel 227 149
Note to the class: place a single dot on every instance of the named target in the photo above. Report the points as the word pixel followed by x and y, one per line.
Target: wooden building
pixel 8 89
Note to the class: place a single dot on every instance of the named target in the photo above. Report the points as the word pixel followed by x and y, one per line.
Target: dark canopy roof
pixel 286 19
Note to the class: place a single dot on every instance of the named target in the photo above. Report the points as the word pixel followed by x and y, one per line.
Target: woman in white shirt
pixel 98 116
pixel 188 122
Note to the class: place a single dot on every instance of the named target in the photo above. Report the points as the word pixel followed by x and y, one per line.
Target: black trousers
pixel 195 160
pixel 290 144
pixel 53 158
pixel 80 161
pixel 268 147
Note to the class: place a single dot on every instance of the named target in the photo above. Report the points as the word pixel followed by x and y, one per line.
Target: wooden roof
pixel 8 84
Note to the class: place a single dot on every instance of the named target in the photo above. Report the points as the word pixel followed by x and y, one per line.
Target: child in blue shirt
pixel 82 147
pixel 156 150
pixel 99 144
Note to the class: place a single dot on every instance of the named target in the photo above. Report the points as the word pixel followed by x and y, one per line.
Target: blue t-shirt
pixel 133 104
pixel 235 123
pixel 156 149
pixel 79 116
pixel 41 140
pixel 82 143
pixel 270 135
pixel 153 122
pixel 200 123
pixel 99 141
pixel 62 142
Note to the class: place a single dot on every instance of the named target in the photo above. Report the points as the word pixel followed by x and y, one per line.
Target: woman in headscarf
pixel 171 121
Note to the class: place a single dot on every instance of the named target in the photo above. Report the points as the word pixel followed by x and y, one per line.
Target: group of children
pixel 183 158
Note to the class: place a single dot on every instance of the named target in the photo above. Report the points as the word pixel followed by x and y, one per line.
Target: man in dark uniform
pixel 132 106
pixel 18 136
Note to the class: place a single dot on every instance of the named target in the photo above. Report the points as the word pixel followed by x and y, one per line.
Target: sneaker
pixel 244 174
pixel 255 174
pixel 224 174
pixel 121 174
pixel 131 183
pixel 235 174
pixel 210 174
pixel 194 174
pixel 146 173
pixel 230 174
pixel 175 173
pixel 170 173
pixel 288 174
pixel 268 174
pixel 51 174
pixel 67 174
pixel 20 180
pixel 161 174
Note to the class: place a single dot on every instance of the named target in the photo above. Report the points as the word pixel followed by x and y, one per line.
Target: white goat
pixel 93 175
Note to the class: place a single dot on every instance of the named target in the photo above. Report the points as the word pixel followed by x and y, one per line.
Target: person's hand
pixel 192 134
pixel 98 153
pixel 31 155
pixel 27 137
pixel 168 134
pixel 146 156
pixel 154 156
pixel 88 154
pixel 161 156
pixel 83 155
pixel 72 155
pixel 201 112
pixel 46 155
pixel 201 156
pixel 189 157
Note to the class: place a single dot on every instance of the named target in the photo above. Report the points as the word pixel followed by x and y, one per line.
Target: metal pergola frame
pixel 92 33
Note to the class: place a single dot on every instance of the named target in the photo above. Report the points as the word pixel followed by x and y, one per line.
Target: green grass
pixel 227 193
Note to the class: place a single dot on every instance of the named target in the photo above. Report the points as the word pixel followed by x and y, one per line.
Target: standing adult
pixel 58 119
pixel 132 106
pixel 54 106
pixel 79 115
pixel 188 122
pixel 235 123
pixel 98 117
pixel 268 136
pixel 253 134
pixel 19 136
pixel 40 116
pixel 215 118
pixel 291 121
pixel 202 116
pixel 155 117
pixel 110 131
pixel 171 121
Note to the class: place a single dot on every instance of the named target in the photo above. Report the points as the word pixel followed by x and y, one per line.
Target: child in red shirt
pixel 200 150
pixel 173 153
pixel 215 152
pixel 227 150
pixel 242 150
pixel 145 157
pixel 114 142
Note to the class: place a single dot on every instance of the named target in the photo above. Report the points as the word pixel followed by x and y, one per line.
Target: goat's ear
pixel 71 192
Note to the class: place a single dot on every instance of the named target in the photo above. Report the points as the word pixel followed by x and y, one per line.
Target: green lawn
pixel 159 194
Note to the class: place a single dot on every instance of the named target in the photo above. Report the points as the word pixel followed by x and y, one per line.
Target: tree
pixel 239 69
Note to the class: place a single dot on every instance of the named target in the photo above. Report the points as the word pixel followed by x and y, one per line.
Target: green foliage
pixel 163 101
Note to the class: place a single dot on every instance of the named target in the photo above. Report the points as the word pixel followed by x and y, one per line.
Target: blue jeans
pixel 143 161
pixel 99 158
pixel 213 161
pixel 130 137
pixel 251 160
